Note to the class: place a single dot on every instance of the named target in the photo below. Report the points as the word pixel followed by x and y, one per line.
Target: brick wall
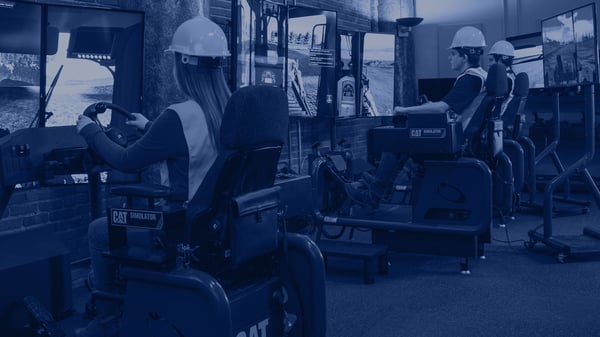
pixel 64 209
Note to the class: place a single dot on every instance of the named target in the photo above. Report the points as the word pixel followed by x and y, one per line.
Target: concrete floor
pixel 513 292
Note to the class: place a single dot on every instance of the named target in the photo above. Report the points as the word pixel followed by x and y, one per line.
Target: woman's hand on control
pixel 139 122
pixel 83 121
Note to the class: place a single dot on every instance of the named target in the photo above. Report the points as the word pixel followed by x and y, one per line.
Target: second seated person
pixel 462 100
pixel 503 53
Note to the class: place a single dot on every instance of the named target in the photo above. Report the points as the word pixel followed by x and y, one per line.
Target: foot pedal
pixel 43 321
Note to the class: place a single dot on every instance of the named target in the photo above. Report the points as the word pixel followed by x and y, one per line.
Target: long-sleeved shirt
pixel 163 141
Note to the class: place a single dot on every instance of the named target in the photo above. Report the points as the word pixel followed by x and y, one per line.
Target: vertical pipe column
pixel 204 8
pixel 391 18
pixel 161 20
pixel 405 77
pixel 375 15
pixel 387 11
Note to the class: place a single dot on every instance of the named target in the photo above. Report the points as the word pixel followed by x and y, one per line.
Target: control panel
pixel 38 154
pixel 419 135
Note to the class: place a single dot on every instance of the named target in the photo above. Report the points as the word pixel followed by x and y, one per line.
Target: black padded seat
pixel 514 109
pixel 496 87
pixel 253 131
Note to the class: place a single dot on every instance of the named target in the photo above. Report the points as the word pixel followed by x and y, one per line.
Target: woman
pixel 184 139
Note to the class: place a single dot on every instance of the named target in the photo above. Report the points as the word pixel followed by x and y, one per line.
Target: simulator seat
pixel 484 140
pixel 514 120
pixel 481 139
pixel 226 267
pixel 513 117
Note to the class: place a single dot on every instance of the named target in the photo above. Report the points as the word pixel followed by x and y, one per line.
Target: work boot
pixel 369 190
pixel 363 194
pixel 101 326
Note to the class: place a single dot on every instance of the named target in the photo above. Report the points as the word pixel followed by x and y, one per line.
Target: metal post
pixel 405 76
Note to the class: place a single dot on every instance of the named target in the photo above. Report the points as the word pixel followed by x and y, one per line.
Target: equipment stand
pixel 590 240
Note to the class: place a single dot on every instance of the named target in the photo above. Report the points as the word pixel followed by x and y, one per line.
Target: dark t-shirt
pixel 464 91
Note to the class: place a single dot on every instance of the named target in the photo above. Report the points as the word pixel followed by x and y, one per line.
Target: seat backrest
pixel 496 87
pixel 514 109
pixel 253 131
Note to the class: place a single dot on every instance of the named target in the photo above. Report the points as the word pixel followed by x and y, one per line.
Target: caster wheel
pixel 465 272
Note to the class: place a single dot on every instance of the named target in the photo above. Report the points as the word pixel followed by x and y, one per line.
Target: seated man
pixel 464 97
pixel 503 52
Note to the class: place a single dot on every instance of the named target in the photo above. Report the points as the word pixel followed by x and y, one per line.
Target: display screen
pixel 530 60
pixel 89 55
pixel 378 75
pixel 20 48
pixel 93 54
pixel 308 52
pixel 348 71
pixel 569 48
pixel 260 43
pixel 287 47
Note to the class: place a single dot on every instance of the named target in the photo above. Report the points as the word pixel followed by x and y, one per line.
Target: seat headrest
pixel 255 115
pixel 521 85
pixel 497 83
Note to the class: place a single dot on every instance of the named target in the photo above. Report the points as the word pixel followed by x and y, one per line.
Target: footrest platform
pixel 371 254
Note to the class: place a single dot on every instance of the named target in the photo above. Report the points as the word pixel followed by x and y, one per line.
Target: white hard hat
pixel 468 37
pixel 199 37
pixel 502 47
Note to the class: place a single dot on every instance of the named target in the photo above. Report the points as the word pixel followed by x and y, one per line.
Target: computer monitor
pixel 89 55
pixel 378 75
pixel 287 47
pixel 311 57
pixel 530 61
pixel 569 48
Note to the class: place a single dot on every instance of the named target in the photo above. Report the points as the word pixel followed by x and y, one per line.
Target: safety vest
pixel 202 150
pixel 467 114
pixel 511 79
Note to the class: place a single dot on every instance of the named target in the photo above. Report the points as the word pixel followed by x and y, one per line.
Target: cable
pixel 293 281
pixel 508 241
